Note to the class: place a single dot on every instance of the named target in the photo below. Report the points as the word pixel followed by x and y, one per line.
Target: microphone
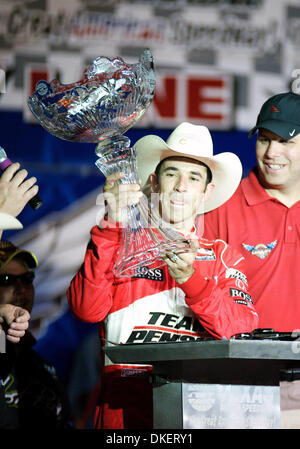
pixel 36 201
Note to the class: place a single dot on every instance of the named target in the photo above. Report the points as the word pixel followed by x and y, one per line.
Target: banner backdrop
pixel 216 60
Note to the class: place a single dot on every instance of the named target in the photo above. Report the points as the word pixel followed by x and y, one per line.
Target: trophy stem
pixel 116 155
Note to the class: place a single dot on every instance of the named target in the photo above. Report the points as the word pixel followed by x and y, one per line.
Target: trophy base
pixel 142 251
pixel 138 265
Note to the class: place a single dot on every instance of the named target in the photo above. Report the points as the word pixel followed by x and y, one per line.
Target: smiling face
pixel 182 185
pixel 278 161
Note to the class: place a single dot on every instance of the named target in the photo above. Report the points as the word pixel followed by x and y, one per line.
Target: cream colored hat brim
pixel 9 222
pixel 226 167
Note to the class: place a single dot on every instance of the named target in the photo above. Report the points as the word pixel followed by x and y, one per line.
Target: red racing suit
pixel 152 307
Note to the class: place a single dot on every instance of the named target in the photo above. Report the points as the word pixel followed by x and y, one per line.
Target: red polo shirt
pixel 267 233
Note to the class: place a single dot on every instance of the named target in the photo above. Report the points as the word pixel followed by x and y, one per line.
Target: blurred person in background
pixel 34 396
pixel 14 320
pixel 15 192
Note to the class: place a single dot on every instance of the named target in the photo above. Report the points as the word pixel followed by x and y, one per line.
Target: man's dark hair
pixel 208 170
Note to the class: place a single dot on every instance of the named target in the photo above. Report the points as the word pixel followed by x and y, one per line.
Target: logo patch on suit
pixel 233 273
pixel 155 274
pixel 205 254
pixel 260 250
pixel 234 292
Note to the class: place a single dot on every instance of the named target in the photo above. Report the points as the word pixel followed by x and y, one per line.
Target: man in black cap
pixel 262 218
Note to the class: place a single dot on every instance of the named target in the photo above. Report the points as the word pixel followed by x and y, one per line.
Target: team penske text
pixel 166 327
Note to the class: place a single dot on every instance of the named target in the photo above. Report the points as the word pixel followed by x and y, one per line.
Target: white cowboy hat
pixel 9 222
pixel 194 142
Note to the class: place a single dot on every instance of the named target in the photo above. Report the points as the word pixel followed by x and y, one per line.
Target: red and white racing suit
pixel 152 307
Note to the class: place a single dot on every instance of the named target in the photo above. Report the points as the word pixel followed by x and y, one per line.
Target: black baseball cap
pixel 281 115
pixel 8 251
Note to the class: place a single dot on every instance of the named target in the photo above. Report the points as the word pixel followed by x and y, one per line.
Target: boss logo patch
pixel 234 292
pixel 155 274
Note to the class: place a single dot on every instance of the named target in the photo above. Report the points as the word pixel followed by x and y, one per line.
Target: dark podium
pixel 214 383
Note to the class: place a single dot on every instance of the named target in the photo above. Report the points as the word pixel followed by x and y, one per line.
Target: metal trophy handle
pixel 111 97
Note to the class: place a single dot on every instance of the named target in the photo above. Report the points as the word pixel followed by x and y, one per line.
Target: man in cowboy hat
pixel 199 292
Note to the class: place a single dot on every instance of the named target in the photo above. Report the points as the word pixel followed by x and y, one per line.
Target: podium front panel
pixel 216 406
pixel 215 383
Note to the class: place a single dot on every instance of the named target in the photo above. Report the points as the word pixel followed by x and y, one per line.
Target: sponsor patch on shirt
pixel 260 250
pixel 155 274
pixel 205 254
pixel 233 273
pixel 234 292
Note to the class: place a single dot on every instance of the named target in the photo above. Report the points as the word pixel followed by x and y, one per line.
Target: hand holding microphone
pixel 15 190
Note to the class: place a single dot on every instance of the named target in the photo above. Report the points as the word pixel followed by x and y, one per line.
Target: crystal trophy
pixel 110 98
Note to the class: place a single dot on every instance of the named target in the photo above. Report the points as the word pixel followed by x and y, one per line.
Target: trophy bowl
pixel 109 99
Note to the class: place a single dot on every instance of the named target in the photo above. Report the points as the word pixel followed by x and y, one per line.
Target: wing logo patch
pixel 260 250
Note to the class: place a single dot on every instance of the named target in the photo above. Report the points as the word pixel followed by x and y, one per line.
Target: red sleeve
pixel 91 290
pixel 222 305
